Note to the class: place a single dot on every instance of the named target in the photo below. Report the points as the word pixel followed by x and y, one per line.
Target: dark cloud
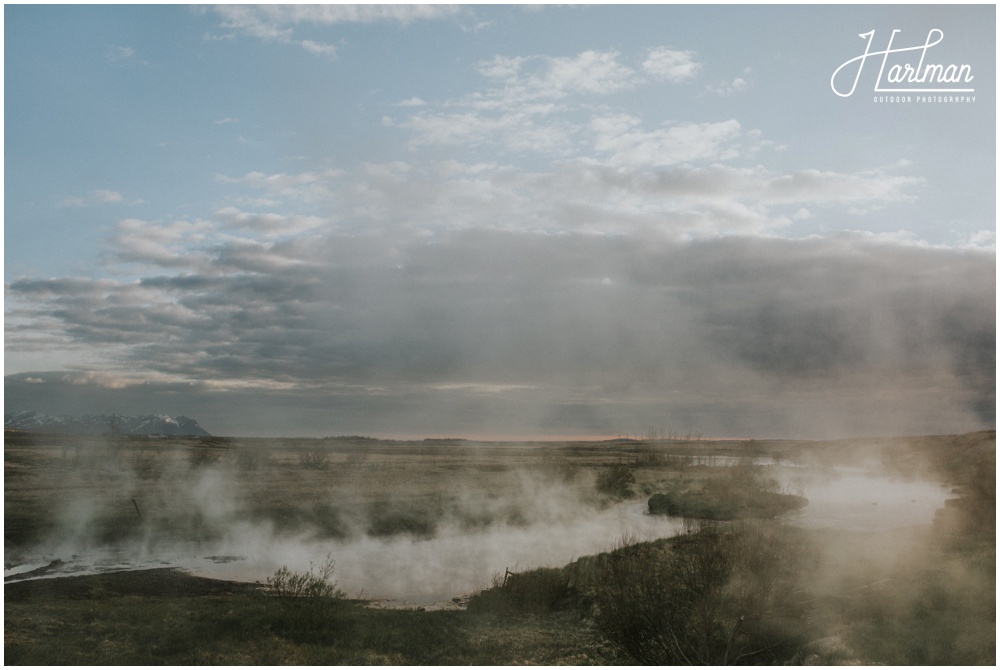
pixel 554 333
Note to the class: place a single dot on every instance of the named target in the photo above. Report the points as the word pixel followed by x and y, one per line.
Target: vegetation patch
pixel 532 592
pixel 721 505
pixel 616 481
pixel 316 582
pixel 717 597
pixel 739 491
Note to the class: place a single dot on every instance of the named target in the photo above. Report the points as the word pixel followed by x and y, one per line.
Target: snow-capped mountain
pixel 103 424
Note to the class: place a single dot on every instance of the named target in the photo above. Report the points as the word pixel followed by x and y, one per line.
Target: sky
pixel 503 221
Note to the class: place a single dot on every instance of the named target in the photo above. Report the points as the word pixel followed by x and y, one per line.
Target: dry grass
pixel 722 597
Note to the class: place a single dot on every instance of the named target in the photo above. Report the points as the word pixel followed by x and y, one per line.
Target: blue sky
pixel 497 220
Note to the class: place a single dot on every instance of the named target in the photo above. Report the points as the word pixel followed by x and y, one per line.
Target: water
pixel 853 500
pixel 458 561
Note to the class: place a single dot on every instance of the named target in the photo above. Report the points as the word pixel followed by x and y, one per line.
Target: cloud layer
pixel 473 329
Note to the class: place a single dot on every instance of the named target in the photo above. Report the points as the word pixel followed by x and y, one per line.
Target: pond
pixel 458 561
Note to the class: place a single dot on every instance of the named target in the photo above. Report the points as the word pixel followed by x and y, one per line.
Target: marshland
pixel 352 550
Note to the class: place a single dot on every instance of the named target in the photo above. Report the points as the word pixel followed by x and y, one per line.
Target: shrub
pixel 419 518
pixel 616 481
pixel 252 458
pixel 713 598
pixel 316 458
pixel 311 584
pixel 532 592
pixel 740 491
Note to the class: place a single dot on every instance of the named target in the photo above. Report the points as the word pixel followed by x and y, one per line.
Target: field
pixel 149 551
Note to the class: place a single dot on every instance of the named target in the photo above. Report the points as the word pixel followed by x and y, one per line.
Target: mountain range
pixel 102 424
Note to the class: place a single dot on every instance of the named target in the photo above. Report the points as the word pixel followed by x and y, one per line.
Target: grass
pixel 533 592
pixel 97 626
pixel 750 591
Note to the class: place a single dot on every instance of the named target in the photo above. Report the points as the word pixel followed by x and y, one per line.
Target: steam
pixel 405 527
pixel 482 333
pixel 387 544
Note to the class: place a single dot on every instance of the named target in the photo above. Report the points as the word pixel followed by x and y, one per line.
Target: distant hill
pixel 104 424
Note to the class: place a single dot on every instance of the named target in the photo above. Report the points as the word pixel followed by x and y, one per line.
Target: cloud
pixel 613 326
pixel 639 179
pixel 310 185
pixel 277 23
pixel 120 53
pixel 985 239
pixel 318 48
pixel 671 65
pixel 621 137
pixel 538 104
pixel 95 197
pixel 123 55
pixel 176 244
pixel 551 77
pixel 268 224
pixel 727 88
pixel 590 72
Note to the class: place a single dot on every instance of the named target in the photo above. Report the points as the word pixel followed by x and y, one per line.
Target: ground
pixel 922 595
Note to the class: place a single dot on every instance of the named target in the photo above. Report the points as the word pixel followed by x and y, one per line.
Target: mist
pixel 413 523
pixel 544 335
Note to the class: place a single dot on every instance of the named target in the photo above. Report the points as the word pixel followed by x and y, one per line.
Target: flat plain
pixel 144 550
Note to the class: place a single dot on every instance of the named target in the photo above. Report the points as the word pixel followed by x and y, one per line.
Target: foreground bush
pixel 311 584
pixel 718 597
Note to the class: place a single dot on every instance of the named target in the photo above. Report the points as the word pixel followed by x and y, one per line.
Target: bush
pixel 533 592
pixel 311 584
pixel 714 598
pixel 616 481
pixel 419 518
pixel 316 458
pixel 741 491
pixel 252 458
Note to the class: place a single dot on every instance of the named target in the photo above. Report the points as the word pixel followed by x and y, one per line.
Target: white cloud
pixel 671 65
pixel 317 48
pixel 310 186
pixel 984 239
pixel 277 23
pixel 621 137
pixel 535 104
pixel 99 196
pixel 268 224
pixel 105 195
pixel 501 67
pixel 527 78
pixel 120 53
pixel 725 89
pixel 176 245
pixel 592 72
